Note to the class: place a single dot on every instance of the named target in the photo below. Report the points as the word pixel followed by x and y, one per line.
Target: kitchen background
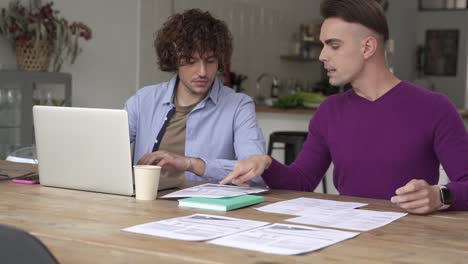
pixel 120 57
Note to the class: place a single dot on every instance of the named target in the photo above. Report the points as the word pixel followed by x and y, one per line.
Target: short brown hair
pixel 192 31
pixel 368 13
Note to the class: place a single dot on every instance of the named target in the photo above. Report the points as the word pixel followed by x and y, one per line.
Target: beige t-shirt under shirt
pixel 173 139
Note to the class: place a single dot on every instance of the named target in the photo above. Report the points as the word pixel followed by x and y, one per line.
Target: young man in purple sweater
pixel 386 137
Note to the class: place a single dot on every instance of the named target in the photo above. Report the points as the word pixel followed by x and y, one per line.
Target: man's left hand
pixel 418 197
pixel 166 160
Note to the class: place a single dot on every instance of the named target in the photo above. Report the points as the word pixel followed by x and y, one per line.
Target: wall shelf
pixel 311 41
pixel 298 58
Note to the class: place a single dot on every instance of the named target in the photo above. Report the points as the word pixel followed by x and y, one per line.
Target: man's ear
pixel 369 46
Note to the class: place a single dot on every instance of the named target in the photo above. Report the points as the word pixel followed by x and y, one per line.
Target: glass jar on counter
pixel 10 107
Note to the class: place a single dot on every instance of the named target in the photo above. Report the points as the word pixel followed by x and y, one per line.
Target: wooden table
pixel 84 227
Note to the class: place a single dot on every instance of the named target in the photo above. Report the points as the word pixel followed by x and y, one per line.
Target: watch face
pixel 446 196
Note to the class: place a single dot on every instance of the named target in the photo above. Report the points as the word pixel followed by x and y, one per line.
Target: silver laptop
pixel 85 149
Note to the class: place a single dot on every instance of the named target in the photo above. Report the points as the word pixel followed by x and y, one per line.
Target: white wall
pixel 7 55
pixel 153 13
pixel 400 17
pixel 105 74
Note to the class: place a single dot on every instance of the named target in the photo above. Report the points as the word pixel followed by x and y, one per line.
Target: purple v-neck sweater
pixel 377 147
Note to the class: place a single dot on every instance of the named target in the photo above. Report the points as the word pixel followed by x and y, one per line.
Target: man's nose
pixel 322 56
pixel 202 69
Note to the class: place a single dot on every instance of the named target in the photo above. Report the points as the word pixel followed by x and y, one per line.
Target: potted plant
pixel 39 35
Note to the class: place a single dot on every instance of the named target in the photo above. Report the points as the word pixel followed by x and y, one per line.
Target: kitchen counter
pixel 309 111
pixel 269 109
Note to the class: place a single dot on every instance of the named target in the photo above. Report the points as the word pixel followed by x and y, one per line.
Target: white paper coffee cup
pixel 146 181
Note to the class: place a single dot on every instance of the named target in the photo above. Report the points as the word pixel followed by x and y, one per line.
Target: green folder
pixel 221 204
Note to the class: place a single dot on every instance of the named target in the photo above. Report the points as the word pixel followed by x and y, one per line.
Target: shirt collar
pixel 167 98
pixel 213 94
pixel 215 90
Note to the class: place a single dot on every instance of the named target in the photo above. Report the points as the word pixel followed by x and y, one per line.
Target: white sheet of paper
pixel 196 227
pixel 211 190
pixel 284 239
pixel 353 219
pixel 306 206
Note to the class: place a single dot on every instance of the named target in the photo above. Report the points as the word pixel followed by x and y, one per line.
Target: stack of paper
pixel 197 227
pixel 330 213
pixel 210 190
pixel 246 234
pixel 12 170
pixel 306 206
pixel 352 219
pixel 284 239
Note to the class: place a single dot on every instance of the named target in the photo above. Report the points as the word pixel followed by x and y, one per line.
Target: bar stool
pixel 18 246
pixel 293 141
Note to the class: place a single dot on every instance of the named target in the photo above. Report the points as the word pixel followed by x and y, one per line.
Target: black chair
pixel 18 246
pixel 293 141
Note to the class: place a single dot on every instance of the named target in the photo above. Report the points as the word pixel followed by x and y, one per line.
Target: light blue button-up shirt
pixel 221 129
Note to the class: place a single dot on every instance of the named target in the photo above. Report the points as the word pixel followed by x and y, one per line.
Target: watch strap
pixel 445 205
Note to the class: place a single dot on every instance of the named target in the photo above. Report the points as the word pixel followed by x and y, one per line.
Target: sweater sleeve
pixel 451 148
pixel 305 173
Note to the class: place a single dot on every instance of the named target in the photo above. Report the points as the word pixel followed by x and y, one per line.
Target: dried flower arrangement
pixel 26 27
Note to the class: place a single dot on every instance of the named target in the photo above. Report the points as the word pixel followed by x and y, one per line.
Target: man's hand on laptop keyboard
pixel 173 161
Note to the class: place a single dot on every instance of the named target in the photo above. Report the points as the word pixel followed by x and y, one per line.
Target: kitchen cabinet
pixel 307 46
pixel 298 58
pixel 18 93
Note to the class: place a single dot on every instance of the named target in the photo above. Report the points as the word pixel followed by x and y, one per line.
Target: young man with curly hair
pixel 193 125
pixel 386 137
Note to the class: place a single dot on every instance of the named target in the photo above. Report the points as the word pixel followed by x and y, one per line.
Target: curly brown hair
pixel 189 32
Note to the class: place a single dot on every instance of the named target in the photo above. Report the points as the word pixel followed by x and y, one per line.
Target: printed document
pixel 210 190
pixel 284 239
pixel 197 227
pixel 353 219
pixel 307 206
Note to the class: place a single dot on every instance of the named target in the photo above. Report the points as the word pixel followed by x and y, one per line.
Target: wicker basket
pixel 35 58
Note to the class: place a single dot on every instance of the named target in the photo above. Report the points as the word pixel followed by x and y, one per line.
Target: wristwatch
pixel 445 197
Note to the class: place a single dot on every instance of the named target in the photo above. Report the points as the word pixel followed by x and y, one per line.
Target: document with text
pixel 211 190
pixel 284 239
pixel 197 227
pixel 306 206
pixel 353 219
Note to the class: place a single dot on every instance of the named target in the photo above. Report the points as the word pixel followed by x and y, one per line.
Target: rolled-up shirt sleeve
pixel 131 106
